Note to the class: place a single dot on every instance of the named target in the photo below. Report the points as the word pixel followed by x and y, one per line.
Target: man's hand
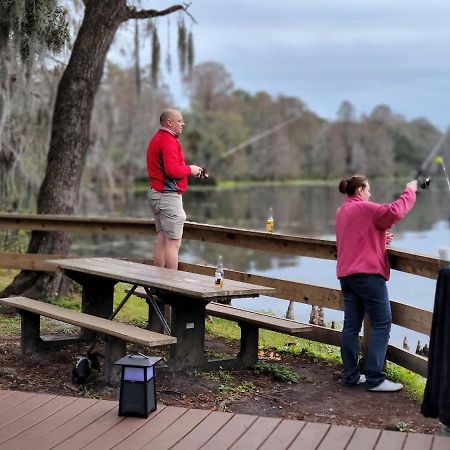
pixel 195 170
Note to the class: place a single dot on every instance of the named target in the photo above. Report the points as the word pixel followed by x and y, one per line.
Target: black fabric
pixel 436 400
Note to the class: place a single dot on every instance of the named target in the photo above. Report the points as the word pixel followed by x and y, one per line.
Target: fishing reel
pixel 203 174
pixel 425 184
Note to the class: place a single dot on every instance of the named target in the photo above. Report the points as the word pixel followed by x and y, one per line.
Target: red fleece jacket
pixel 166 168
pixel 361 233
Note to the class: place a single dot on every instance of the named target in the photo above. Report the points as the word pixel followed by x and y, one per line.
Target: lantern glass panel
pixel 137 373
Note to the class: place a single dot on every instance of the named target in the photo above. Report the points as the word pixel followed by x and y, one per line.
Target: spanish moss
pixel 32 26
pixel 182 45
pixel 168 56
pixel 156 56
pixel 190 53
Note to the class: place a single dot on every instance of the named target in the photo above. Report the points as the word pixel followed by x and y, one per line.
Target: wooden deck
pixel 43 421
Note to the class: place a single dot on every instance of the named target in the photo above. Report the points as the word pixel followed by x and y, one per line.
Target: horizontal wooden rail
pixel 422 265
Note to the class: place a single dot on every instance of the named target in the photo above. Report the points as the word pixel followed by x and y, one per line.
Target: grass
pixel 227 384
pixel 279 342
pixel 9 325
pixel 277 371
pixel 282 343
pixel 6 276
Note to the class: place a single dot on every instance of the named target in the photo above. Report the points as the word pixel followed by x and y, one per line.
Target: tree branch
pixel 133 13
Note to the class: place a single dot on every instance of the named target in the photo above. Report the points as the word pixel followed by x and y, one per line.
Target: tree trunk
pixel 69 142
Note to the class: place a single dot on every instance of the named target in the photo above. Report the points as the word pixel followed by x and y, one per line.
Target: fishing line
pixel 440 161
pixel 254 139
pixel 434 151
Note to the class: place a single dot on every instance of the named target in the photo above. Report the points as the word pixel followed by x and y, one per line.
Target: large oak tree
pixel 69 142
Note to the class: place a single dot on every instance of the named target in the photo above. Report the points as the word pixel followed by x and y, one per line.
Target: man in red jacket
pixel 168 175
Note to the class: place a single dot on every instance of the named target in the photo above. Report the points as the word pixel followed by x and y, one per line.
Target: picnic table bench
pixel 249 323
pixel 187 293
pixel 116 334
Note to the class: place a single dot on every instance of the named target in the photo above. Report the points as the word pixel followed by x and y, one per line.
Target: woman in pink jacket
pixel 362 233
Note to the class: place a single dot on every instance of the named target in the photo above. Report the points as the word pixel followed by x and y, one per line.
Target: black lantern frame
pixel 137 386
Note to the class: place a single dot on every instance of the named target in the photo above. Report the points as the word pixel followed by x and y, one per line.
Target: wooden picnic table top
pixel 173 281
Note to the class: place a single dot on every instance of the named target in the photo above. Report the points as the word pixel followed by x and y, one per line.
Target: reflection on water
pixel 299 210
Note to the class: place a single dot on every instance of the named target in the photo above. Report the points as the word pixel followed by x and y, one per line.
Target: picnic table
pixel 187 293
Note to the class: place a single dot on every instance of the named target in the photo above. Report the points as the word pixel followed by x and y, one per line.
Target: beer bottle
pixel 219 273
pixel 269 222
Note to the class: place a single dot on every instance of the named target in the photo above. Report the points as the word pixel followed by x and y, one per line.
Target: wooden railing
pixel 404 315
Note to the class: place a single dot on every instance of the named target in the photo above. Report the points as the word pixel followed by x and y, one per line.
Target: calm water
pixel 299 210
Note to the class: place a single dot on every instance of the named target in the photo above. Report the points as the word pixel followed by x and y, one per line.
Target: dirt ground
pixel 317 397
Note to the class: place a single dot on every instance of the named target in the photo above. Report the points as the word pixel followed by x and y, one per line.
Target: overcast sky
pixel 326 51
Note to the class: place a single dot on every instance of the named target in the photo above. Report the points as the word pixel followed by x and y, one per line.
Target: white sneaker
pixel 387 386
pixel 362 379
pixel 444 430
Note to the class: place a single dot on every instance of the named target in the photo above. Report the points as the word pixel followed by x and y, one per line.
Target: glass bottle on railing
pixel 269 222
pixel 218 276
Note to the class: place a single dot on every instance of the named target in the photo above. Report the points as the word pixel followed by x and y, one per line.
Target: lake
pixel 307 210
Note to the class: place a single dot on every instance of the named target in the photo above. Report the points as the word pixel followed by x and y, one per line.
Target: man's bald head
pixel 173 120
pixel 168 114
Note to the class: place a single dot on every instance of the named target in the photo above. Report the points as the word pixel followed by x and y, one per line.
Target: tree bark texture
pixel 69 141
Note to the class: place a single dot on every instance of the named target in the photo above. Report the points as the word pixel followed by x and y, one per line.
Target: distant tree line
pixel 380 144
pixel 220 118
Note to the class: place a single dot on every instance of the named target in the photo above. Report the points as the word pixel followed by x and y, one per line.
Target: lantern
pixel 137 387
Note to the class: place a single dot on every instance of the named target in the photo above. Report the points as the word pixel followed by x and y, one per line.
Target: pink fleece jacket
pixel 361 233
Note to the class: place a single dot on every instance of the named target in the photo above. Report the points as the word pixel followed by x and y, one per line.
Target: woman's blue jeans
pixel 365 293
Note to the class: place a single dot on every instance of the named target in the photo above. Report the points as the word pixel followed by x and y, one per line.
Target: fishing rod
pixel 433 155
pixel 254 139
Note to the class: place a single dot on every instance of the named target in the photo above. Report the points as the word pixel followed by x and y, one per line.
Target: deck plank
pixel 27 437
pixel 151 428
pixel 311 436
pixel 21 409
pixel 364 439
pixel 5 393
pixel 283 435
pixel 204 431
pixel 415 441
pixel 231 432
pixel 120 432
pixel 74 425
pixel 97 428
pixel 14 399
pixel 390 440
pixel 337 438
pixel 257 433
pixel 177 430
pixel 33 417
pixel 441 443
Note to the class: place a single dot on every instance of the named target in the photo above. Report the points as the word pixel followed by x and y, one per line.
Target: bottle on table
pixel 269 222
pixel 219 273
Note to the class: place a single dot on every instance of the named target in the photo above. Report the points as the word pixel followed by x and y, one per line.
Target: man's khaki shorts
pixel 169 213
